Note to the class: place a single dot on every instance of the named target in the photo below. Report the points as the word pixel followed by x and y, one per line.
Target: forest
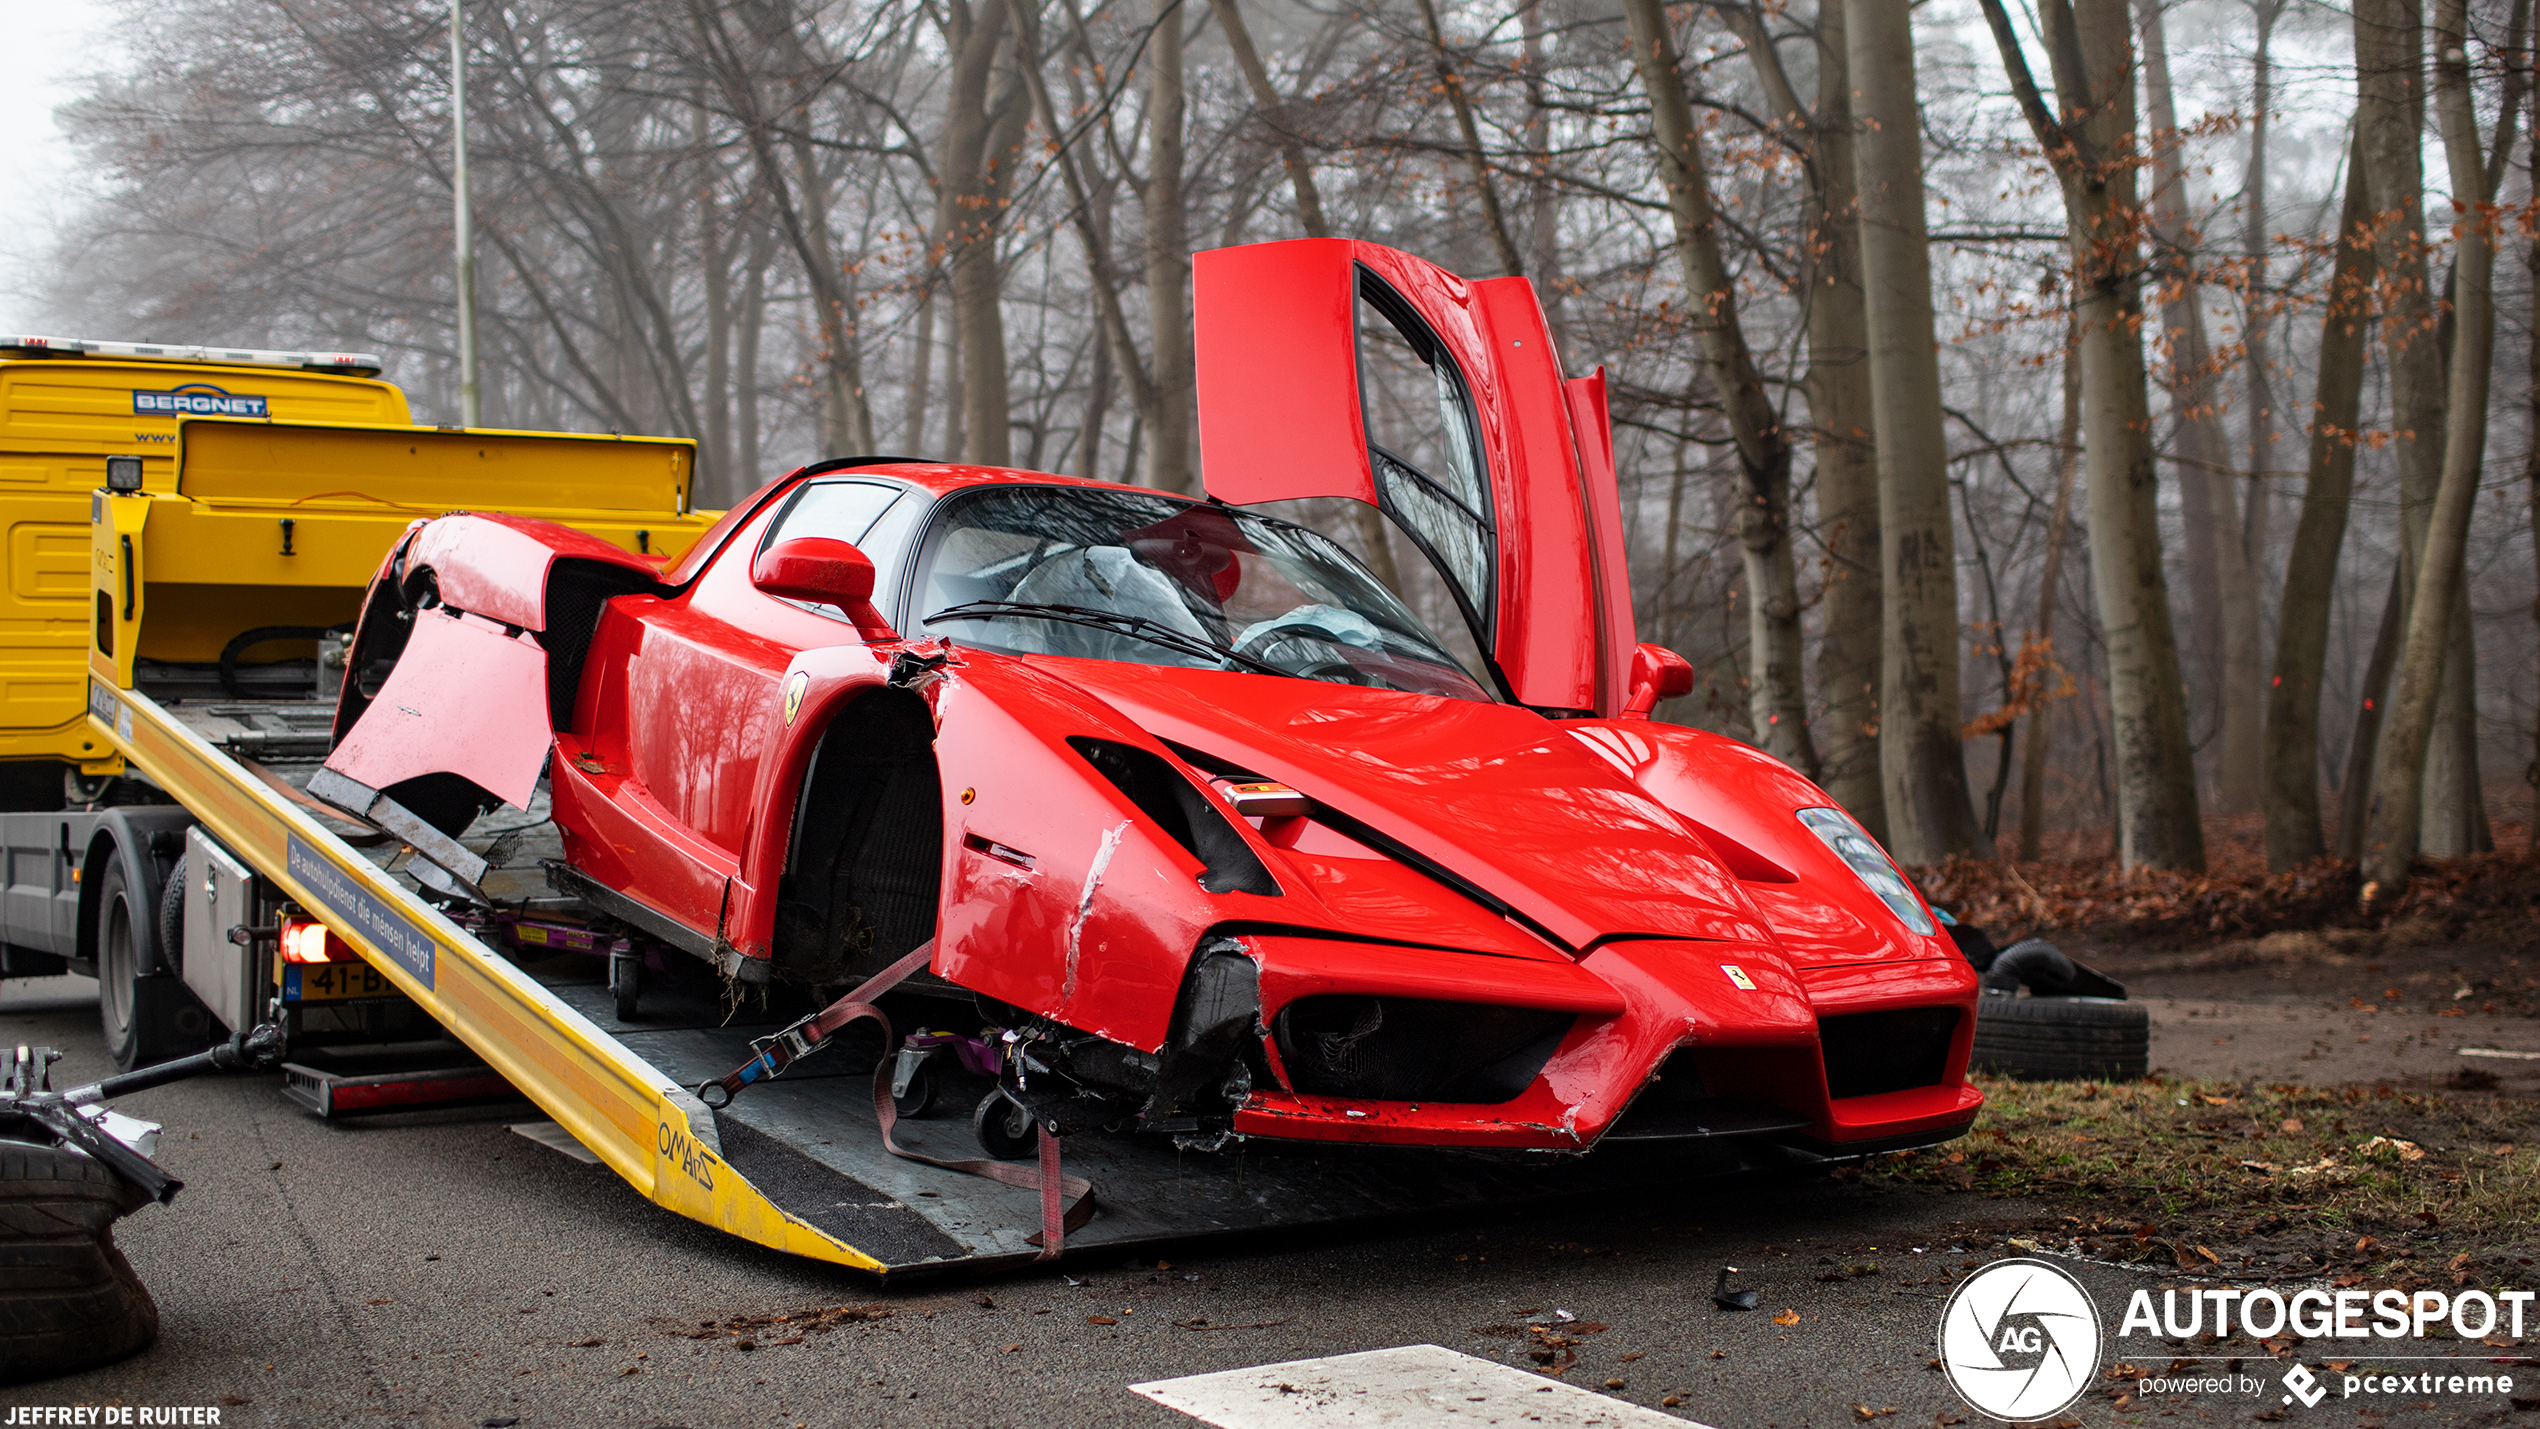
pixel 2068 430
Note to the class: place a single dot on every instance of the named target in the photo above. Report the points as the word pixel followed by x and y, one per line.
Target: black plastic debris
pixel 1727 1299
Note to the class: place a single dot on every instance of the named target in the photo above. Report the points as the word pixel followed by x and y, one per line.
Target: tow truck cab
pixel 199 524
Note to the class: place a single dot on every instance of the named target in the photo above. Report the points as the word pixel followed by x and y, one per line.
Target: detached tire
pixel 2062 1038
pixel 68 1299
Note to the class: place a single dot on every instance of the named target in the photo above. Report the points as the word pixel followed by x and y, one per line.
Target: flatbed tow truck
pixel 171 513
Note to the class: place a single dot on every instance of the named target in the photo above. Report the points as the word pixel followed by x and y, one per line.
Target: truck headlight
pixel 1870 863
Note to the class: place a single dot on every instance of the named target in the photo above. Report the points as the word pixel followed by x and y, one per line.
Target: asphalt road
pixel 441 1271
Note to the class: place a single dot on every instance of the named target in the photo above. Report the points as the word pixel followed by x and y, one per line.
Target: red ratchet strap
pixel 776 1053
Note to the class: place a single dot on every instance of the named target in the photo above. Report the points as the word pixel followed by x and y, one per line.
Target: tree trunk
pixel 2214 529
pixel 920 371
pixel 2354 802
pixel 714 264
pixel 2050 586
pixel 1838 383
pixel 2310 574
pixel 753 321
pixel 1171 424
pixel 2390 841
pixel 1922 762
pixel 2092 52
pixel 1777 695
pixel 2259 506
pixel 971 180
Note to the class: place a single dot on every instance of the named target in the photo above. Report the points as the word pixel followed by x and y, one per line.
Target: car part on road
pixel 69 1300
pixel 69 1169
pixel 2053 1038
pixel 2042 968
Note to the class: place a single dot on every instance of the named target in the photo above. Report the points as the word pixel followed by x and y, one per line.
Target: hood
pixel 1497 795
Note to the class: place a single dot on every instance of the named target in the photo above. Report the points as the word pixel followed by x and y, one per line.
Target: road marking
pixel 1409 1387
pixel 2500 1052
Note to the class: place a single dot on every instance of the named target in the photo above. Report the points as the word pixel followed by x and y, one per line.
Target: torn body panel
pixel 464 698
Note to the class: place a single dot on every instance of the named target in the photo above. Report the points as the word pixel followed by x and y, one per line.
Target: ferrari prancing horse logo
pixel 1737 975
pixel 795 684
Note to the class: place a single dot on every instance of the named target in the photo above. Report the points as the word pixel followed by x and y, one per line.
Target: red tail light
pixel 305 940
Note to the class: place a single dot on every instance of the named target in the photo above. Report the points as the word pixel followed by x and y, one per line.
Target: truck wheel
pixel 68 1299
pixel 2058 1038
pixel 146 1019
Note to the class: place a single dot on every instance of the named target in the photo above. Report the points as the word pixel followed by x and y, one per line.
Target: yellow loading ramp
pixel 640 1123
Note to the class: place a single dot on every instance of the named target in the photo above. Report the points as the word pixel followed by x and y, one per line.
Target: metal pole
pixel 468 413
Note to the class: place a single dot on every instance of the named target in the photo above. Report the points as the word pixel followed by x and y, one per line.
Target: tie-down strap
pixel 773 1054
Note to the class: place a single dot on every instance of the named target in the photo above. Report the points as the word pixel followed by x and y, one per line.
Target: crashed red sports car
pixel 1217 835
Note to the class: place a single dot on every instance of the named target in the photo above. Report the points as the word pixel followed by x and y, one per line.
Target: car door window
pixel 1425 446
pixel 842 511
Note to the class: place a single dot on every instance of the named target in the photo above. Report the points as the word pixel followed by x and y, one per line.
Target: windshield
pixel 1150 580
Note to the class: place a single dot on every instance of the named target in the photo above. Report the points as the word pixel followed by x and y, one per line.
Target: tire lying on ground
pixel 68 1299
pixel 2051 1038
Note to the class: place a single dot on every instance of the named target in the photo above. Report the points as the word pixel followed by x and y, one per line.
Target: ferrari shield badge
pixel 1736 974
pixel 795 684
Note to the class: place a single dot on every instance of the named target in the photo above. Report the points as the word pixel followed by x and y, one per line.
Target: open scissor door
pixel 1334 368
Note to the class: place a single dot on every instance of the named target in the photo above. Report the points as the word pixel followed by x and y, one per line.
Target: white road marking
pixel 2500 1052
pixel 1409 1387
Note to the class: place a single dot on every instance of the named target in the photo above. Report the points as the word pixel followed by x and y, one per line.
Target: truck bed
pixel 796 1163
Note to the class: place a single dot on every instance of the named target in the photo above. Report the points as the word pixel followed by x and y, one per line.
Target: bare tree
pixel 2310 574
pixel 1930 812
pixel 2390 842
pixel 1775 660
pixel 2090 49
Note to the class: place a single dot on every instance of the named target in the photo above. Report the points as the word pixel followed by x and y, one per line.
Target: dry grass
pixel 2280 1163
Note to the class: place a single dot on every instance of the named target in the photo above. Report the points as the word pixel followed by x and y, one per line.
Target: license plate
pixel 333 982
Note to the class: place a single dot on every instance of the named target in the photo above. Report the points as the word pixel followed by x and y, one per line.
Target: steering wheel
pixel 1279 645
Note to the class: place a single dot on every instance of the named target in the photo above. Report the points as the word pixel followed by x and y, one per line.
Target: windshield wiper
pixel 1136 626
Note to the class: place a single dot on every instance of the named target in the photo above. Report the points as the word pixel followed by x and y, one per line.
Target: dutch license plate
pixel 333 982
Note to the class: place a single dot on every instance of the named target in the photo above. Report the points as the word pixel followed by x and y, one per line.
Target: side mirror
pixel 824 571
pixel 1658 673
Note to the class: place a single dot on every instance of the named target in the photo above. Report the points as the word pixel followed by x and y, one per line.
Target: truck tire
pixel 68 1299
pixel 2060 1038
pixel 146 1020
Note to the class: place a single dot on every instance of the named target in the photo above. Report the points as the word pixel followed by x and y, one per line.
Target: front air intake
pixel 1871 1052
pixel 1414 1050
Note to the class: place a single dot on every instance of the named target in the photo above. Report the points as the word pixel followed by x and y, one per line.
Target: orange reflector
pixel 307 942
pixel 1265 800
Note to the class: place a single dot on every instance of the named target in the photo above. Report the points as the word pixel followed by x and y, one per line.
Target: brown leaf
pixel 584 1344
pixel 2291 1123
pixel 1100 1320
pixel 1627 1359
pixel 1787 1317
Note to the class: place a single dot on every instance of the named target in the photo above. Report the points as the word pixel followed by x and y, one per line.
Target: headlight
pixel 1870 862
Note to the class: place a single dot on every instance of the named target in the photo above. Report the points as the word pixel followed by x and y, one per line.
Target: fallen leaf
pixel 2291 1123
pixel 639 1369
pixel 1100 1320
pixel 379 1302
pixel 584 1344
pixel 1671 1401
pixel 1011 1349
pixel 1616 1384
pixel 1627 1359
pixel 1787 1317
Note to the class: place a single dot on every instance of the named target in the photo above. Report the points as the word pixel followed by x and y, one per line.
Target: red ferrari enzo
pixel 1217 834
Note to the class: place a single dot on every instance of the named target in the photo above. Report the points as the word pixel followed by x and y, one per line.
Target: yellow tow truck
pixel 189 534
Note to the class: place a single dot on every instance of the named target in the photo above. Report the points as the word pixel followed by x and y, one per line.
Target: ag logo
pixel 2020 1340
pixel 795 684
